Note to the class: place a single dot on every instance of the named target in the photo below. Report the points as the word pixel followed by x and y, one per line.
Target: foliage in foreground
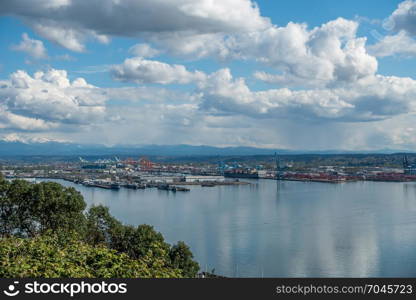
pixel 44 232
pixel 49 257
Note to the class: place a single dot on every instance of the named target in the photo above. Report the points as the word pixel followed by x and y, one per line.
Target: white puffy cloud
pixel 403 18
pixel 223 94
pixel 328 55
pixel 15 121
pixel 69 23
pixel 70 38
pixel 369 99
pixel 140 70
pixel 47 99
pixel 331 53
pixel 34 48
pixel 400 43
pixel 402 22
pixel 324 55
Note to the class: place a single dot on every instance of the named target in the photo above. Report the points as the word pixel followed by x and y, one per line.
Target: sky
pixel 300 74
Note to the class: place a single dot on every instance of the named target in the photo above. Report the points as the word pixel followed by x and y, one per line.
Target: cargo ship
pixel 134 186
pixel 167 187
pixel 103 185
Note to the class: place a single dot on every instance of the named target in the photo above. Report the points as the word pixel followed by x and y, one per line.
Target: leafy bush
pixel 47 256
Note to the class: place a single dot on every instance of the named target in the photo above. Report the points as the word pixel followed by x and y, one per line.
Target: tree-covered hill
pixel 45 231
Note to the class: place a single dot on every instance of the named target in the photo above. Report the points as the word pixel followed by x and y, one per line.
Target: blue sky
pixel 307 74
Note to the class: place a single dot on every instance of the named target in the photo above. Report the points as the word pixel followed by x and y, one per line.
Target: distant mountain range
pixel 17 148
pixel 50 148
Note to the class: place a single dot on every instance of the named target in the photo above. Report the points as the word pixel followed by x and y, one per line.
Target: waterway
pixel 281 229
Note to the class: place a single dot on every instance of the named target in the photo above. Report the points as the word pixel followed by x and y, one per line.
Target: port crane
pixel 145 164
pixel 277 163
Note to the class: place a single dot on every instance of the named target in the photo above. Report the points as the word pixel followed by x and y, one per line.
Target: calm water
pixel 286 229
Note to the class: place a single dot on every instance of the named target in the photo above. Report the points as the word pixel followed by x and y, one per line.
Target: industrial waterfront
pixel 143 173
pixel 281 228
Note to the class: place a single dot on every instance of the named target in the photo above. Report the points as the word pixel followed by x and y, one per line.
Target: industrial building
pixel 192 178
pixel 160 179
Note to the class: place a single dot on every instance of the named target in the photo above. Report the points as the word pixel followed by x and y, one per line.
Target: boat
pixel 130 186
pixel 114 186
pixel 134 186
pixel 167 187
pixel 163 187
pixel 179 189
pixel 108 186
pixel 103 185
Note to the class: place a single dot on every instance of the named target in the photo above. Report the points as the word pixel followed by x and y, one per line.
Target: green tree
pixel 30 209
pixel 102 227
pixel 138 241
pixel 55 207
pixel 15 210
pixel 182 258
